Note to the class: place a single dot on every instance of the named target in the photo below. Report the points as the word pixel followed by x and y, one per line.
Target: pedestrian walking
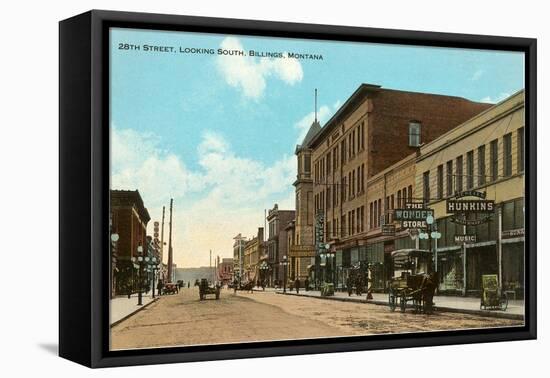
pixel 188 284
pixel 159 287
pixel 297 285
pixel 306 284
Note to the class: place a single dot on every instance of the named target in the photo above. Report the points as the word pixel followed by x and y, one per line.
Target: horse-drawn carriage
pixel 245 286
pixel 206 289
pixel 411 282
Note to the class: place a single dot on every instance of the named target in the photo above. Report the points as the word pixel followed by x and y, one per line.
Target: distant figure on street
pixel 306 284
pixel 159 287
pixel 188 284
pixel 297 285
pixel 263 285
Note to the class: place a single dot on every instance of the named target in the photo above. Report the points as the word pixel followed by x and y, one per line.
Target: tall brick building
pixel 277 242
pixel 301 249
pixel 129 219
pixel 374 129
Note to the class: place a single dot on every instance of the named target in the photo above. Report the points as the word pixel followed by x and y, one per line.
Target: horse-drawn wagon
pixel 411 281
pixel 206 289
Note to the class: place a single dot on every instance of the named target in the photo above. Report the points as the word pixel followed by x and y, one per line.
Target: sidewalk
pixel 467 305
pixel 122 307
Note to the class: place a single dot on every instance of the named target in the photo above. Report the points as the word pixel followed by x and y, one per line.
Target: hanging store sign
pixel 461 239
pixel 414 215
pixel 414 224
pixel 470 211
pixel 510 234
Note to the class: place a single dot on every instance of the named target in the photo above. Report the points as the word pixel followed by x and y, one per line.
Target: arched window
pixel 414 134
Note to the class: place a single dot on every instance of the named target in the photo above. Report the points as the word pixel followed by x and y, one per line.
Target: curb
pixel 489 314
pixel 138 309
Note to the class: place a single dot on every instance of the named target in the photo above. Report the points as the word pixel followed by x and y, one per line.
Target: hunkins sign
pixel 470 212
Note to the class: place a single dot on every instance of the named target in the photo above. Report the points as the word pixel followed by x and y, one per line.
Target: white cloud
pixel 224 196
pixel 323 115
pixel 477 75
pixel 494 100
pixel 249 74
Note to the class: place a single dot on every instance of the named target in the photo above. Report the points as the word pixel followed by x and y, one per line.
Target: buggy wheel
pixel 391 301
pixel 504 303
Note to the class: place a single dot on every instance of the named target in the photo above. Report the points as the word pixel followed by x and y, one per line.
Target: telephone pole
pixel 162 236
pixel 170 252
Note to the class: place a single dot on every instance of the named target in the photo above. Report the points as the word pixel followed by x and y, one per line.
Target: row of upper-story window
pixel 380 213
pixel 349 224
pixel 342 152
pixel 355 220
pixel 453 177
pixel 349 146
pixel 349 187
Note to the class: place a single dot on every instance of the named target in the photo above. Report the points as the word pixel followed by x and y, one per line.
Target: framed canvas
pixel 236 188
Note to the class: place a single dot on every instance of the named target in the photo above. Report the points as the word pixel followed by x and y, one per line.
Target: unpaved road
pixel 184 320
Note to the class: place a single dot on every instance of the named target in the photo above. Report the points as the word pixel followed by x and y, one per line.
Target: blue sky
pixel 207 129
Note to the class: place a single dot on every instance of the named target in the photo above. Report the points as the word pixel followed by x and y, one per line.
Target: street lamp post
pixel 114 240
pixel 322 257
pixel 285 263
pixel 154 268
pixel 139 260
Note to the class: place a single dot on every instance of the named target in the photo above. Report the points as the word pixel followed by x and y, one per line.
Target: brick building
pixel 302 249
pixel 238 258
pixel 225 271
pixel 374 129
pixel 129 219
pixel 253 250
pixel 277 242
pixel 485 155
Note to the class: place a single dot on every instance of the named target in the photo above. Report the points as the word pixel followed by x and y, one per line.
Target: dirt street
pixel 184 320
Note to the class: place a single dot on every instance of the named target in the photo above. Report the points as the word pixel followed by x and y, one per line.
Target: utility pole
pixel 170 252
pixel 162 237
pixel 210 263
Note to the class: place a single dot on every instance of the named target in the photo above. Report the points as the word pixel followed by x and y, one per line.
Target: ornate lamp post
pixel 431 234
pixel 154 268
pixel 139 260
pixel 114 240
pixel 331 256
pixel 322 256
pixel 285 263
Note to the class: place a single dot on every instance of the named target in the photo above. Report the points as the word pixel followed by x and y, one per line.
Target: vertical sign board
pixel 319 231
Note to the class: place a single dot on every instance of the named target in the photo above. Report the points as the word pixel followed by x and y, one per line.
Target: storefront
pixel 513 268
pixel 513 248
pixel 449 261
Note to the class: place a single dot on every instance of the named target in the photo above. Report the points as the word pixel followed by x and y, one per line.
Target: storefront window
pixel 354 256
pixel 512 215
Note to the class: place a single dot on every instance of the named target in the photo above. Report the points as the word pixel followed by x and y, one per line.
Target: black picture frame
pixel 84 188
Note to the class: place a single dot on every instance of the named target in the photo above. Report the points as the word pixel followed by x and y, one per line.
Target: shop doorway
pixel 479 261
